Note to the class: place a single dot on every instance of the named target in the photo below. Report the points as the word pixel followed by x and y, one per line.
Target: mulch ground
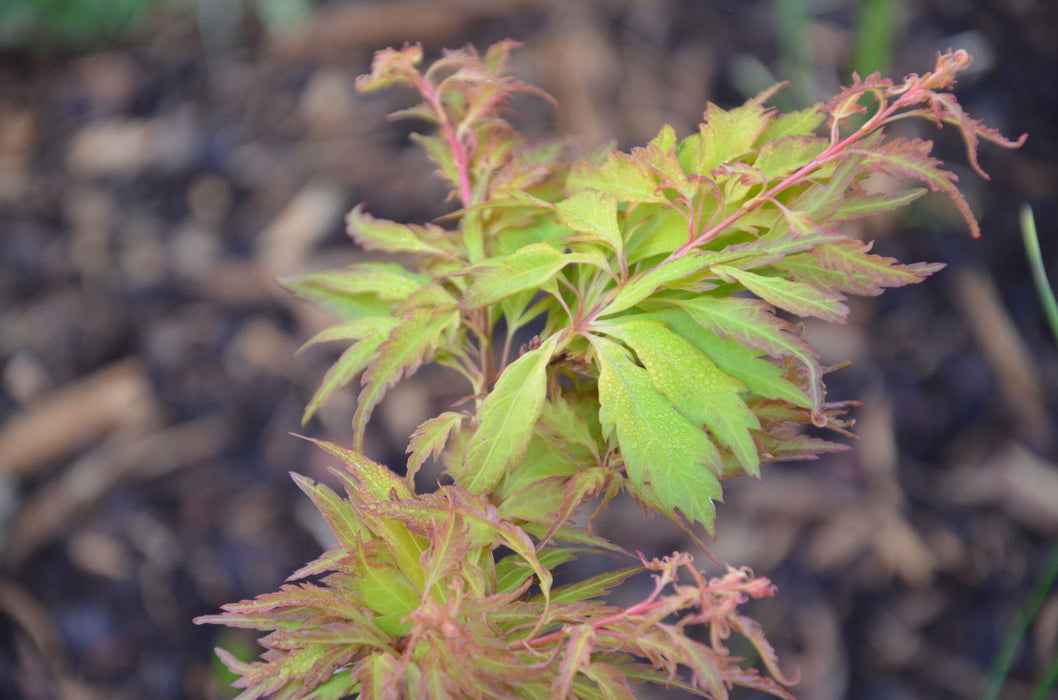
pixel 151 192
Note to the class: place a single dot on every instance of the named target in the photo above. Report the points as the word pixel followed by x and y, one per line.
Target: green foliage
pixel 662 281
pixel 81 23
pixel 68 22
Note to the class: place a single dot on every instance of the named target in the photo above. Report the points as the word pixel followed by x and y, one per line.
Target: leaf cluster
pixel 661 288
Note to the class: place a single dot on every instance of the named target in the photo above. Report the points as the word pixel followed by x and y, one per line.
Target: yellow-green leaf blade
pixel 662 450
pixel 414 340
pixel 351 363
pixel 694 384
pixel 593 214
pixel 506 420
pixel 531 267
pixel 391 237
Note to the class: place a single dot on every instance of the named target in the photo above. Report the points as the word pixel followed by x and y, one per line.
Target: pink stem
pixel 831 152
pixel 459 151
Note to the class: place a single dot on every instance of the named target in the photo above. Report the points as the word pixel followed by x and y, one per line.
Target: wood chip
pixel 1017 376
pixel 1015 479
pixel 125 454
pixel 337 29
pixel 66 421
pixel 309 216
pixel 34 620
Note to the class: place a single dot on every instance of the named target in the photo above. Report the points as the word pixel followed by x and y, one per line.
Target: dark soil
pixel 151 192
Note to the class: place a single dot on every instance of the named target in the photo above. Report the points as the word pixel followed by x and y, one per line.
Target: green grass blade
pixel 1039 273
pixel 1001 664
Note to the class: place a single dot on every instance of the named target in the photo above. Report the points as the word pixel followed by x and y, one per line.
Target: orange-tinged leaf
pixel 391 66
pixel 374 480
pixel 912 158
pixel 340 514
pixel 429 439
pixel 575 658
pixel 391 237
pixel 380 676
pixel 611 682
pixel 384 280
pixel 867 274
pixel 795 297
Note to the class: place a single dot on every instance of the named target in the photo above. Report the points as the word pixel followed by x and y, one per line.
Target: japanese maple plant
pixel 623 323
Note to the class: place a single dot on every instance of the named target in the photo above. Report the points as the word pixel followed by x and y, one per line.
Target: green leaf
pixel 620 177
pixel 803 122
pixel 783 156
pixel 595 214
pixel 659 156
pixel 543 460
pixel 662 450
pixel 532 267
pixel 777 245
pixel 857 206
pixel 642 285
pixel 438 151
pixel 593 587
pixel 511 571
pixel 725 135
pixel 693 383
pixel 506 419
pixel 384 586
pixel 356 329
pixel 387 281
pixel 795 297
pixel 391 237
pixel 419 335
pixel 655 230
pixel 562 425
pixel 807 269
pixel 351 363
pixel 344 305
pixel 729 337
pixel 749 321
pixel 537 500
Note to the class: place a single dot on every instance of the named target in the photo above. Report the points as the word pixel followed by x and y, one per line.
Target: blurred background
pixel 163 161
